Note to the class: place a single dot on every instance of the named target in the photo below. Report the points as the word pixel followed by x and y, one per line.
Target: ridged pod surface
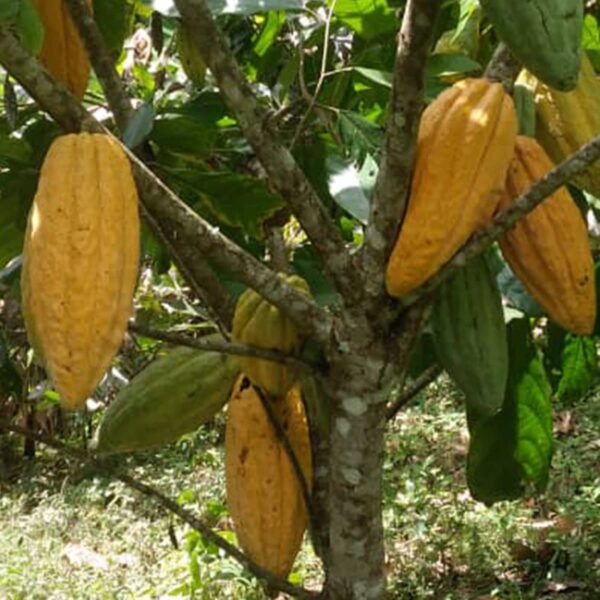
pixel 258 323
pixel 174 395
pixel 80 261
pixel 549 249
pixel 63 53
pixel 568 120
pixel 263 494
pixel 545 35
pixel 470 335
pixel 464 146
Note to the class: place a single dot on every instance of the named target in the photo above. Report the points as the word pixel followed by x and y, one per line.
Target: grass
pixel 67 534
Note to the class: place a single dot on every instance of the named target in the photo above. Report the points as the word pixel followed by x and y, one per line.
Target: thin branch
pixel 283 172
pixel 172 506
pixel 504 68
pixel 197 271
pixel 177 219
pixel 102 61
pixel 320 81
pixel 504 220
pixel 428 376
pixel 291 454
pixel 278 254
pixel 224 347
pixel 393 180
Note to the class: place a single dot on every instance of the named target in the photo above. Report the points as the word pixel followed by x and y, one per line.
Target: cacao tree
pixel 359 197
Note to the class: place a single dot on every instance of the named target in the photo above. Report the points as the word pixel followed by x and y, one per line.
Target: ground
pixel 66 533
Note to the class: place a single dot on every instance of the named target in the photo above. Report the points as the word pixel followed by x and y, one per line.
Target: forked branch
pixel 175 217
pixel 282 170
pixel 524 204
pixel 393 181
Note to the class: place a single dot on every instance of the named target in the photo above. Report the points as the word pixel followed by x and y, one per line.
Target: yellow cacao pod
pixel 568 120
pixel 263 493
pixel 80 261
pixel 258 323
pixel 549 249
pixel 63 53
pixel 464 146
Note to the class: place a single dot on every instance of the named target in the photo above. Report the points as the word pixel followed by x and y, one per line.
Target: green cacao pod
pixel 174 395
pixel 258 323
pixel 545 35
pixel 192 63
pixel 470 335
pixel 525 107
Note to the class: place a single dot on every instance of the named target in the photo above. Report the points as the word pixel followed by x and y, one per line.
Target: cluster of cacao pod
pixel 471 163
pixel 187 387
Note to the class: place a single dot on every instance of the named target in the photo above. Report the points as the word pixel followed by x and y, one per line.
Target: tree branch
pixel 172 506
pixel 428 376
pixel 283 172
pixel 102 62
pixel 291 454
pixel 197 271
pixel 177 219
pixel 393 181
pixel 224 347
pixel 504 220
pixel 504 68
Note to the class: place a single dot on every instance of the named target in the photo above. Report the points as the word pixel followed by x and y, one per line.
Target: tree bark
pixel 357 387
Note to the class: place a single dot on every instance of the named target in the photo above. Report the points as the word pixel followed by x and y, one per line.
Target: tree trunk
pixel 356 553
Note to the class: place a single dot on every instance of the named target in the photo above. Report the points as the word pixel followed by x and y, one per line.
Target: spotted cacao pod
pixel 264 496
pixel 549 249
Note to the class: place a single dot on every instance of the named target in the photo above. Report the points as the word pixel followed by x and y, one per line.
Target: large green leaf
pixel 368 18
pixel 360 136
pixel 579 367
pixel 514 446
pixel 115 19
pixel 232 199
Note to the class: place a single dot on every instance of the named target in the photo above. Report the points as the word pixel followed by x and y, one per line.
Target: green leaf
pixel 233 199
pixel 271 28
pixel 9 9
pixel 368 18
pixel 29 27
pixel 579 367
pixel 183 135
pixel 222 7
pixel 512 289
pixel 115 19
pixel 13 150
pixel 361 137
pixel 139 126
pixel 346 189
pixel 383 78
pixel 515 445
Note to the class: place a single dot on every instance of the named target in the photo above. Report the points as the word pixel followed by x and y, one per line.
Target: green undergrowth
pixel 66 532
